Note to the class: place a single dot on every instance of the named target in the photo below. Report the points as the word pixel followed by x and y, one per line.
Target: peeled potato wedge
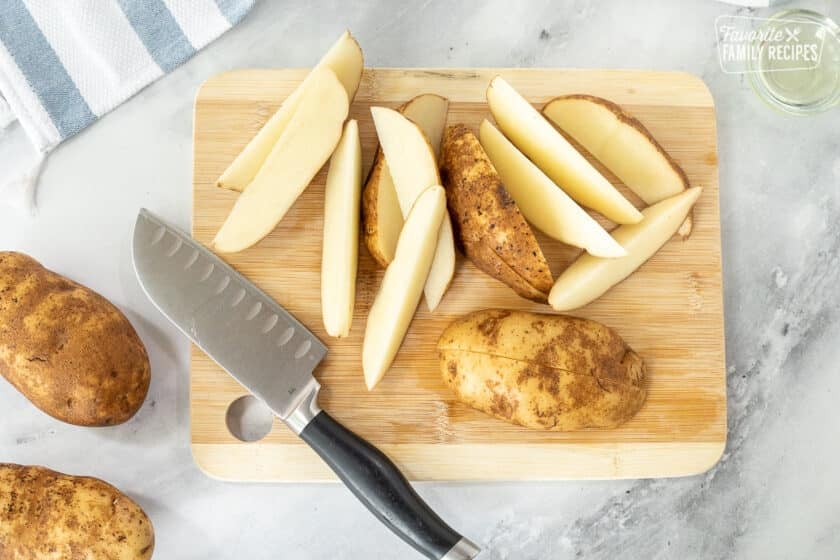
pixel 495 236
pixel 413 167
pixel 340 254
pixel 345 59
pixel 542 203
pixel 588 278
pixel 383 218
pixel 402 285
pixel 302 150
pixel 554 155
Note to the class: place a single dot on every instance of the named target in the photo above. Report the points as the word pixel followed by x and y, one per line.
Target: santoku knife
pixel 273 356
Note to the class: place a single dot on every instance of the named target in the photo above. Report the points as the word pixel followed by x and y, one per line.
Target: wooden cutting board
pixel 670 311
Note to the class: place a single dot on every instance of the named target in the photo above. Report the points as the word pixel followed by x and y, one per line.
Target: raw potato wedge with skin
pixel 48 515
pixel 554 155
pixel 623 145
pixel 588 278
pixel 383 218
pixel 345 59
pixel 402 285
pixel 306 144
pixel 547 372
pixel 340 253
pixel 413 167
pixel 542 203
pixel 495 236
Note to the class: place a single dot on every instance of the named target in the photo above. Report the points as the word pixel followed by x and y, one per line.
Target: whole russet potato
pixel 45 515
pixel 549 372
pixel 66 348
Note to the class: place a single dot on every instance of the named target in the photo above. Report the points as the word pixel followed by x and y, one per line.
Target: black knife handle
pixel 382 488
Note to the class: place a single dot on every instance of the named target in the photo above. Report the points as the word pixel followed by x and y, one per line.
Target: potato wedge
pixel 340 253
pixel 383 218
pixel 411 162
pixel 345 59
pixel 402 286
pixel 552 153
pixel 48 515
pixel 495 236
pixel 66 348
pixel 588 278
pixel 302 150
pixel 621 143
pixel 547 372
pixel 542 203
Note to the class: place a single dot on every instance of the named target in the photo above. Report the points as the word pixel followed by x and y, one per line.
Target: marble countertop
pixel 774 494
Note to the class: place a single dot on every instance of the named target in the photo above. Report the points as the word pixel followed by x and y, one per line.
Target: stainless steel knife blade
pixel 238 325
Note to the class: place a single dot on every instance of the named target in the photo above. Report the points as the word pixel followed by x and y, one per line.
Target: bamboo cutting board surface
pixel 670 311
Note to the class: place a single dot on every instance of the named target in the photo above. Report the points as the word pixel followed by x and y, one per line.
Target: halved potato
pixel 494 235
pixel 383 218
pixel 302 150
pixel 345 59
pixel 340 254
pixel 413 167
pixel 588 278
pixel 401 288
pixel 552 153
pixel 542 203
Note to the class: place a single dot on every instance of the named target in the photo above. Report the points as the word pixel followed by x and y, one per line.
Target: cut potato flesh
pixel 383 217
pixel 621 143
pixel 589 277
pixel 345 59
pixel 547 207
pixel 402 285
pixel 303 149
pixel 411 162
pixel 340 255
pixel 552 153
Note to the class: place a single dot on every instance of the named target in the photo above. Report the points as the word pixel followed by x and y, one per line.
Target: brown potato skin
pixel 489 225
pixel 66 348
pixel 370 209
pixel 541 371
pixel 48 515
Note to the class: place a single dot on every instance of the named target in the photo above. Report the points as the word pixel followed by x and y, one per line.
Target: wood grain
pixel 670 311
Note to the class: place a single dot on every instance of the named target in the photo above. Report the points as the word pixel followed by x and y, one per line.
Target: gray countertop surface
pixel 774 494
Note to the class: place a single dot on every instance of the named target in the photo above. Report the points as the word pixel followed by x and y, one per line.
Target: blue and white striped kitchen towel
pixel 65 63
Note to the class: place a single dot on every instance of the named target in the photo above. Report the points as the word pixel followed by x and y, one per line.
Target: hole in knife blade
pixel 286 337
pixel 207 273
pixel 303 349
pixel 161 231
pixel 269 324
pixel 222 285
pixel 175 247
pixel 255 310
pixel 192 259
pixel 237 299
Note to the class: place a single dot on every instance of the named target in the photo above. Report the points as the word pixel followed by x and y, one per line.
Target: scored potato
pixel 48 515
pixel 495 236
pixel 548 372
pixel 345 59
pixel 66 348
pixel 382 216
